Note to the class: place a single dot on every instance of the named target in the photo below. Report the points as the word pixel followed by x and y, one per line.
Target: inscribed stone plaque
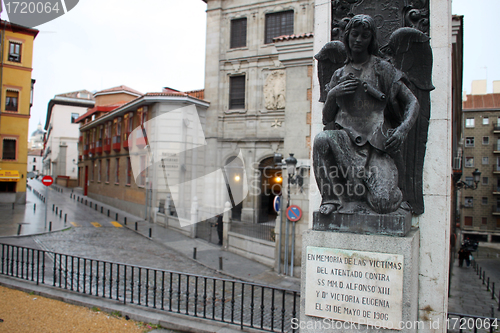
pixel 354 286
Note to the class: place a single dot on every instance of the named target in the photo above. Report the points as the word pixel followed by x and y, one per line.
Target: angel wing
pixel 409 50
pixel 330 58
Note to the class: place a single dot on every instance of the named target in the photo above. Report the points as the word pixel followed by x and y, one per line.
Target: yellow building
pixel 16 98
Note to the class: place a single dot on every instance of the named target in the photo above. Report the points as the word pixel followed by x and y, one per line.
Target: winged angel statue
pixel 369 158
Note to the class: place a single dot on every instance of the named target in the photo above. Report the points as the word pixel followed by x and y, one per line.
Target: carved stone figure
pixel 274 90
pixel 369 158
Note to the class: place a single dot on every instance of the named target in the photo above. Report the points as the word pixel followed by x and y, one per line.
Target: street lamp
pixel 477 177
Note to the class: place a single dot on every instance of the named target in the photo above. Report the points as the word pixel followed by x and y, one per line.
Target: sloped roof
pixel 77 94
pixel 481 102
pixel 102 108
pixel 118 89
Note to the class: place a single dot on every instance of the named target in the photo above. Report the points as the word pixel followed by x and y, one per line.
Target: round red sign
pixel 47 180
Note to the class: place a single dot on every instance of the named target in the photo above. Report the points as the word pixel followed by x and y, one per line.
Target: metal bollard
pixel 488 284
pixel 484 275
pixel 149 232
pixel 493 290
pixel 34 206
pixel 135 226
pixel 102 209
pixel 220 263
pixel 50 226
pixel 116 218
pixel 60 213
pixel 19 229
pixel 194 253
pixel 65 217
pixel 108 212
pixel 53 207
pixel 57 209
pixel 95 206
pixel 85 202
pixel 125 220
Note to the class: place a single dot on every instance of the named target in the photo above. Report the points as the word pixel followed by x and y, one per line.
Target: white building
pixel 34 162
pixel 60 155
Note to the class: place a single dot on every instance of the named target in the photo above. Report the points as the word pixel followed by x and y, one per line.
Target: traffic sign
pixel 277 203
pixel 293 213
pixel 47 180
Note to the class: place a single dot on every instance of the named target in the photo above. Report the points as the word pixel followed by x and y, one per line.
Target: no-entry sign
pixel 294 213
pixel 47 180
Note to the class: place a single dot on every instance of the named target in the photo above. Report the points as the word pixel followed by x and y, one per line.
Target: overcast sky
pixel 149 44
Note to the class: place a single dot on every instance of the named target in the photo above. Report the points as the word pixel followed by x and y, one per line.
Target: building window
pixel 117 171
pixel 485 180
pixel 74 116
pixel 278 24
pixel 99 170
pixel 484 220
pixel 14 52
pixel 469 181
pixel 469 162
pixel 34 167
pixel 107 170
pixel 469 122
pixel 486 140
pixel 484 200
pixel 237 92
pixel 9 149
pixel 11 100
pixel 486 160
pixel 498 164
pixel 469 141
pixel 468 203
pixel 238 33
pixel 468 221
pixel 486 121
pixel 34 159
pixel 129 171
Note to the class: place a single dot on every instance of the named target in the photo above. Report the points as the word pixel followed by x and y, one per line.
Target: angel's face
pixel 359 39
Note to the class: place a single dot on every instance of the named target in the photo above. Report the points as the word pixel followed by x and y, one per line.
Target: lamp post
pixel 463 185
pixel 291 163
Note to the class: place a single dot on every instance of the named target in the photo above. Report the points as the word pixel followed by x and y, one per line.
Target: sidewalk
pixel 468 295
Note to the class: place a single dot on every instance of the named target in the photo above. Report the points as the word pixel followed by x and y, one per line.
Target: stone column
pixel 227 224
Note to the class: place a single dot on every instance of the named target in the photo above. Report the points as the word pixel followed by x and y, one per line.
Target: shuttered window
pixel 9 149
pixel 278 24
pixel 11 100
pixel 238 33
pixel 468 221
pixel 237 92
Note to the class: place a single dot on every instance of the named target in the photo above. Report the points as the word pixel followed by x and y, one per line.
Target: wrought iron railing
pixel 229 301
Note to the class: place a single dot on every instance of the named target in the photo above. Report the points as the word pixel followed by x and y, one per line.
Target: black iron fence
pixel 229 301
pixel 490 285
pixel 255 230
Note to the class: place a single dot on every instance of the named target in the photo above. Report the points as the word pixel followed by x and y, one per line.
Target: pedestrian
pixel 467 255
pixel 461 257
pixel 219 225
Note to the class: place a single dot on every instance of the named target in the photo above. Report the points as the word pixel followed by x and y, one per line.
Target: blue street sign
pixel 277 203
pixel 293 213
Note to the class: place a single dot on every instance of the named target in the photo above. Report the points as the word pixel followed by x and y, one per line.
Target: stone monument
pixel 360 267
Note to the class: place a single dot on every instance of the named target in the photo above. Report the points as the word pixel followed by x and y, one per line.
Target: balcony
pixel 125 140
pixel 496 169
pixel 496 129
pixel 496 149
pixel 85 150
pixel 107 145
pixel 116 143
pixel 495 210
pixel 140 140
pixel 98 147
pixel 495 189
pixel 92 148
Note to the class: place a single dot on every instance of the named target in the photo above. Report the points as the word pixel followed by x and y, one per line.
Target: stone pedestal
pixel 348 279
pixel 397 223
